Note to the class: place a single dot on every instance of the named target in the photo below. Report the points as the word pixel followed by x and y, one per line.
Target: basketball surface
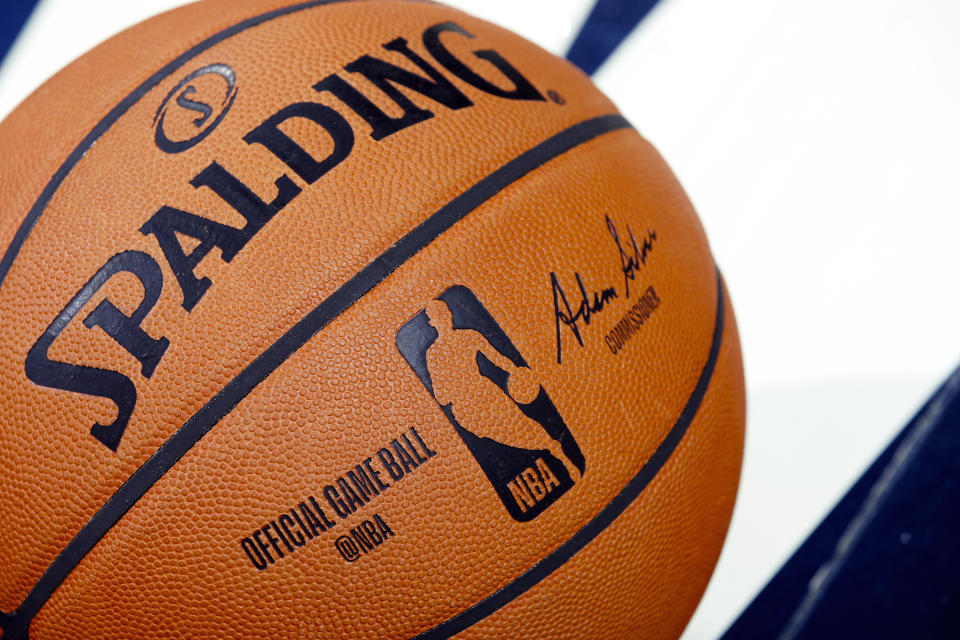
pixel 352 319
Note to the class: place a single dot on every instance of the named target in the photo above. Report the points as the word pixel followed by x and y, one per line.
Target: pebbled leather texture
pixel 174 564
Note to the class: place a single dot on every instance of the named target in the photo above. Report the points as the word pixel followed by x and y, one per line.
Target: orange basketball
pixel 352 319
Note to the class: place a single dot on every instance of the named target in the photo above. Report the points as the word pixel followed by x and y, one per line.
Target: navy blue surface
pixel 610 22
pixel 13 15
pixel 885 564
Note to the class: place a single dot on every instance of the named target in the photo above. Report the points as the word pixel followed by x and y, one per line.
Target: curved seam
pixel 23 231
pixel 607 515
pixel 210 414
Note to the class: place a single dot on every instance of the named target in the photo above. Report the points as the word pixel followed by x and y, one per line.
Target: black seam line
pixel 339 301
pixel 20 237
pixel 606 517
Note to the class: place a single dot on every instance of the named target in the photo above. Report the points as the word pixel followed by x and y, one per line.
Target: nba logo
pixel 494 401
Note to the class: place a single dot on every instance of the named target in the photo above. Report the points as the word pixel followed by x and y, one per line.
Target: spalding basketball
pixel 352 319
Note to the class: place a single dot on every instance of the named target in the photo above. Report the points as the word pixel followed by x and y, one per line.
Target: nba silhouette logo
pixel 494 401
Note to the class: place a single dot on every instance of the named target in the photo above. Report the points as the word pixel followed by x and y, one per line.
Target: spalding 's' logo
pixel 493 399
pixel 195 107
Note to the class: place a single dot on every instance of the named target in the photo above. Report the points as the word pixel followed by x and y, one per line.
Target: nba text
pixel 363 538
pixel 533 485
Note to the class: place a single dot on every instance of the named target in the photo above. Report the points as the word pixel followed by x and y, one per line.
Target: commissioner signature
pixel 588 303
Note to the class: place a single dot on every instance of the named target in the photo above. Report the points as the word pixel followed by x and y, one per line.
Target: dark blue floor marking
pixel 608 25
pixel 885 563
pixel 13 15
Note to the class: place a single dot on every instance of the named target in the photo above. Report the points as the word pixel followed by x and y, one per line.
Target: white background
pixel 820 142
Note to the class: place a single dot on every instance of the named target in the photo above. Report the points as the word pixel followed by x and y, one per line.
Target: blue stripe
pixel 13 15
pixel 883 564
pixel 608 25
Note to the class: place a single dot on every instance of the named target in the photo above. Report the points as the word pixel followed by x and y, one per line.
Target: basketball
pixel 352 319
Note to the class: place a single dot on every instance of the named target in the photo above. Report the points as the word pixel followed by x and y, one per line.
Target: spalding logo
pixel 186 117
pixel 198 114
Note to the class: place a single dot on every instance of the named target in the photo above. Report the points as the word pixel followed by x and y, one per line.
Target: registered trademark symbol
pixel 555 97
